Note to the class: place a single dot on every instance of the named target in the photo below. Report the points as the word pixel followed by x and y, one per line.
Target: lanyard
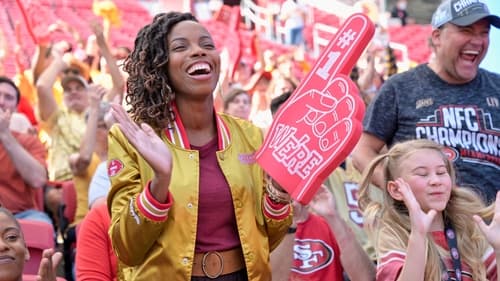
pixel 451 238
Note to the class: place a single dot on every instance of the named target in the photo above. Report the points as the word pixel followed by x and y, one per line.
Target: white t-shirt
pixel 294 14
pixel 100 184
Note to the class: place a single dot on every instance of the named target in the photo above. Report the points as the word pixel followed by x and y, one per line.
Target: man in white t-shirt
pixel 293 15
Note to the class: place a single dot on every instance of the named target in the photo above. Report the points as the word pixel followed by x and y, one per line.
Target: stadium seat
pixel 67 212
pixel 38 236
pixel 68 208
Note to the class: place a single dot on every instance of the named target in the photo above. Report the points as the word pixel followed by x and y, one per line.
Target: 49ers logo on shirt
pixel 311 255
pixel 114 167
pixel 451 153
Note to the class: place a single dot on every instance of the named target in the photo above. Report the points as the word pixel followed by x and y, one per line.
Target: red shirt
pixel 316 254
pixel 25 108
pixel 391 263
pixel 95 259
pixel 15 194
pixel 217 230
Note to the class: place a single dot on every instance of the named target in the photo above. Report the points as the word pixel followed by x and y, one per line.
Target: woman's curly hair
pixel 149 93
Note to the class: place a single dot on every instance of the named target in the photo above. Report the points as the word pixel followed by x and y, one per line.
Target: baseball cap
pixel 80 66
pixel 71 77
pixel 462 13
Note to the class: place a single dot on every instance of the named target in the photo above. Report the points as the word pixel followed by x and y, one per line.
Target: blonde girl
pixel 423 215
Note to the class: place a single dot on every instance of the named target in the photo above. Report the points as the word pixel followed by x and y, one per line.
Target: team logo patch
pixel 451 153
pixel 114 167
pixel 311 255
pixel 246 158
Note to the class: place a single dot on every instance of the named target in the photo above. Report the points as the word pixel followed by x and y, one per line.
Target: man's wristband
pixel 291 230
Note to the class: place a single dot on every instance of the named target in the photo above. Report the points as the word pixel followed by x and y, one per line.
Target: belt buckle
pixel 204 264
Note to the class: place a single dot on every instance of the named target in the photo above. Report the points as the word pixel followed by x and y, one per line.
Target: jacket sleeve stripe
pixel 275 211
pixel 151 208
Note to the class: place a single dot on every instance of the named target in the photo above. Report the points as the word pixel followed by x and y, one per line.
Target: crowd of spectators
pixel 54 122
pixel 60 102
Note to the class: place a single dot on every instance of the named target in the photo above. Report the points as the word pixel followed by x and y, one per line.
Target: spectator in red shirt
pixel 23 160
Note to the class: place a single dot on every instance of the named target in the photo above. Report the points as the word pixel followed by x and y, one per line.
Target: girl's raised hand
pixel 491 231
pixel 420 221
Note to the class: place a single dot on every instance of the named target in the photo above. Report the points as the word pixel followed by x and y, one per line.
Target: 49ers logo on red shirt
pixel 114 167
pixel 311 255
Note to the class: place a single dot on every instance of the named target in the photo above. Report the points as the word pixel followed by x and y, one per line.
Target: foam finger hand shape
pixel 317 128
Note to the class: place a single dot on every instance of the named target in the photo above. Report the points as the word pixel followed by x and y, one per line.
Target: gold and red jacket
pixel 158 240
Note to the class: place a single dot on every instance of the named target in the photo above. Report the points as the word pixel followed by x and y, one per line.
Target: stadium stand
pixel 77 14
pixel 255 19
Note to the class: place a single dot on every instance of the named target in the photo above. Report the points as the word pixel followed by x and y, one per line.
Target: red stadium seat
pixel 69 201
pixel 38 236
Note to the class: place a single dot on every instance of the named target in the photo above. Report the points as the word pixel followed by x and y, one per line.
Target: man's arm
pixel 47 104
pixel 282 258
pixel 116 92
pixel 368 147
pixel 80 161
pixel 354 259
pixel 31 170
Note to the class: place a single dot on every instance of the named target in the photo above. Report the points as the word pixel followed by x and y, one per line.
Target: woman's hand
pixel 146 141
pixel 48 265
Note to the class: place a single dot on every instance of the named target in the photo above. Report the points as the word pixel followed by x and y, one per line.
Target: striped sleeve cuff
pixel 277 211
pixel 151 208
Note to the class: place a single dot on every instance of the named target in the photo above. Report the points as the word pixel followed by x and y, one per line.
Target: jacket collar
pixel 177 134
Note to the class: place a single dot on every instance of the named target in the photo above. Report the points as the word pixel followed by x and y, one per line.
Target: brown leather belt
pixel 214 264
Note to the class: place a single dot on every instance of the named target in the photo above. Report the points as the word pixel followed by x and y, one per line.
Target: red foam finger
pixel 317 128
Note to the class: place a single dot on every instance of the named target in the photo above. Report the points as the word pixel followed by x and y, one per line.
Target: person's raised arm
pixel 43 50
pixel 82 159
pixel 152 198
pixel 365 79
pixel 116 92
pixel 40 60
pixel 368 147
pixel 354 259
pixel 47 104
pixel 152 149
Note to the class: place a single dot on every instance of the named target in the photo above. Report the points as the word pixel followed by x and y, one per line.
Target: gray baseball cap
pixel 462 13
